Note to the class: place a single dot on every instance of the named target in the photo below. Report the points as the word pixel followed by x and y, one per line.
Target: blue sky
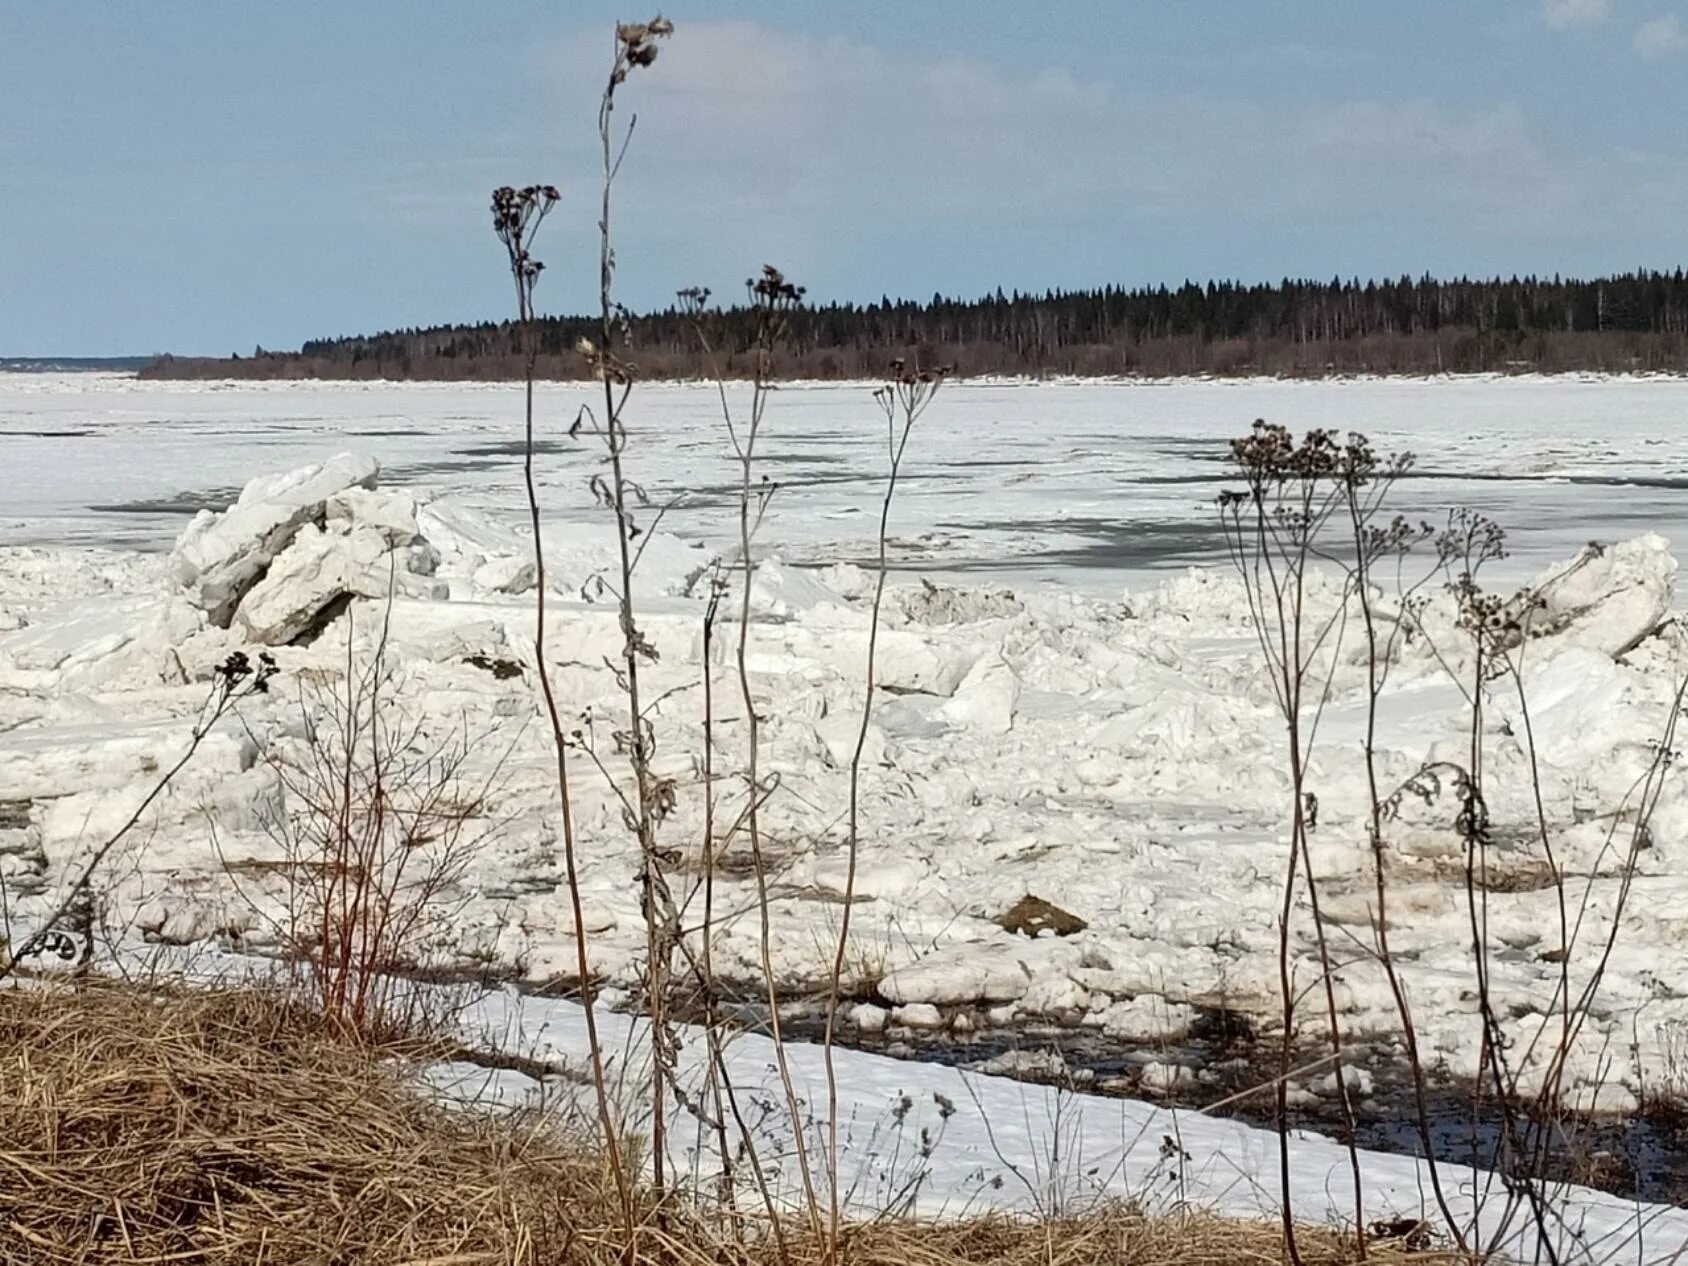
pixel 203 176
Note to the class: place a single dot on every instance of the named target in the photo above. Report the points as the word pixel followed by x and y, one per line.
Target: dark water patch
pixel 726 457
pixel 419 471
pixel 517 448
pixel 51 435
pixel 1114 545
pixel 1231 1073
pixel 181 503
pixel 818 480
pixel 1181 479
pixel 1209 451
pixel 800 459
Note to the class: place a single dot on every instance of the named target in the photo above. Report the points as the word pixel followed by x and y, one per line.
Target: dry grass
pixel 225 1127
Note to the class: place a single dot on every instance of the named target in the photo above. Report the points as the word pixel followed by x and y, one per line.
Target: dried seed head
pixel 638 44
pixel 771 289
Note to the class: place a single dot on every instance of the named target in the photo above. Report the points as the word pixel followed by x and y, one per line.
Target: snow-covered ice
pixel 1068 712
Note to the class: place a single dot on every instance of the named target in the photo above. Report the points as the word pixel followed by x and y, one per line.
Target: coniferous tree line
pixel 1632 322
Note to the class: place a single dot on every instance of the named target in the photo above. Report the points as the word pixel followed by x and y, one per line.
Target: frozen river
pixel 1081 484
pixel 1124 761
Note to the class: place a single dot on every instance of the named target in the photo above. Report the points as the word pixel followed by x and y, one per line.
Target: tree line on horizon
pixel 1635 322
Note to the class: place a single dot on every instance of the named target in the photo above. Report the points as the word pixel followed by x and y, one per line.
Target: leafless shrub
pixel 383 815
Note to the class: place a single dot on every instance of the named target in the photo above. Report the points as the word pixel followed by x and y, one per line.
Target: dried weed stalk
pixel 1321 503
pixel 652 797
pixel 516 217
pixel 1272 529
pixel 772 297
pixel 902 399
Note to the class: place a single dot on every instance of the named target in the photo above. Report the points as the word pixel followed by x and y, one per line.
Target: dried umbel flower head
pixel 237 670
pixel 636 45
pixel 908 391
pixel 516 215
pixel 1269 454
pixel 513 209
pixel 1470 541
pixel 902 376
pixel 693 299
pixel 772 290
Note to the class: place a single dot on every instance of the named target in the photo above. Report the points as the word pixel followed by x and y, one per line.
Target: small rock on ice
pixel 1033 916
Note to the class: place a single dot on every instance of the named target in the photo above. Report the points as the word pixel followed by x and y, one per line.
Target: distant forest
pixel 1630 323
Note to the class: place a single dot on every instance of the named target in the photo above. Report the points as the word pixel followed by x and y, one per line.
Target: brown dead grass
pixel 226 1128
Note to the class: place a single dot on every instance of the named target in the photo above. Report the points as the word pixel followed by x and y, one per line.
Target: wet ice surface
pixel 1032 486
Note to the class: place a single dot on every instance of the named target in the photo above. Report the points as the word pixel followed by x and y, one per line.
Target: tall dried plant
pixel 902 399
pixel 635 47
pixel 1272 529
pixel 1321 503
pixel 516 217
pixel 771 298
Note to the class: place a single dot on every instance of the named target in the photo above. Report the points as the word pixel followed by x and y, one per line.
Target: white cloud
pixel 1563 14
pixel 805 123
pixel 1661 37
pixel 821 154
